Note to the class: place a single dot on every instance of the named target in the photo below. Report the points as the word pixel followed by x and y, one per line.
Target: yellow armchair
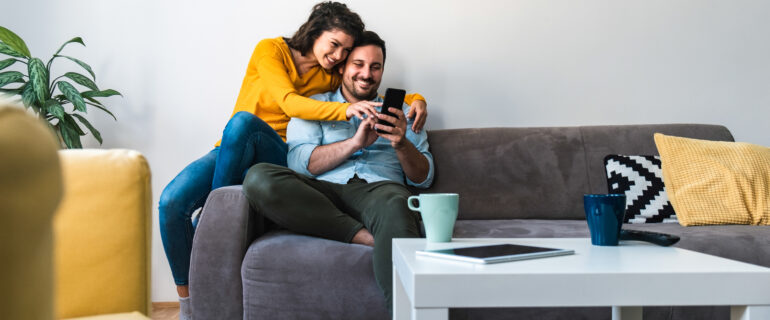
pixel 102 232
pixel 89 257
pixel 30 189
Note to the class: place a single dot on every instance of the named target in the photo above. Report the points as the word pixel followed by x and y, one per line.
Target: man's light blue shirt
pixel 377 162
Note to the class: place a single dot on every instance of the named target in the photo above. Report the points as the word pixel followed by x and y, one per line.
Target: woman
pixel 281 74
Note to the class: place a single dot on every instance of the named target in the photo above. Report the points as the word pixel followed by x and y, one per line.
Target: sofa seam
pixel 585 159
pixel 145 167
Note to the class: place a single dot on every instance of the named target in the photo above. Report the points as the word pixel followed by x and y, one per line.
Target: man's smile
pixel 363 83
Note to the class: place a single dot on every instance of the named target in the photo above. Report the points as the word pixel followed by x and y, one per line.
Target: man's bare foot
pixel 364 237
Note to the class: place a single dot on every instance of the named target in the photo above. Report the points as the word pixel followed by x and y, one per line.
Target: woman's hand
pixel 419 108
pixel 361 108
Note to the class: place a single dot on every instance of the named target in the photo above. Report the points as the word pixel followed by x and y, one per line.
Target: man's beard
pixel 367 95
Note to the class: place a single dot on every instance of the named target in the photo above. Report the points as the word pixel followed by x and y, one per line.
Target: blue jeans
pixel 247 140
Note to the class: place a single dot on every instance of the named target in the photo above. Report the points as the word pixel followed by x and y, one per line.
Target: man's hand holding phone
pixel 396 133
pixel 391 122
pixel 394 99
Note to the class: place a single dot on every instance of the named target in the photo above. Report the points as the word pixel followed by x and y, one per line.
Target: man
pixel 347 182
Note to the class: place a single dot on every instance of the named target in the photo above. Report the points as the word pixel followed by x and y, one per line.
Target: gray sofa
pixel 513 182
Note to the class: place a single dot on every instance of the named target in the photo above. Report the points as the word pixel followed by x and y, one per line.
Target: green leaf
pixel 11 91
pixel 72 95
pixel 38 76
pixel 6 49
pixel 7 62
pixel 92 100
pixel 69 135
pixel 82 80
pixel 81 63
pixel 28 96
pixel 10 77
pixel 103 93
pixel 70 121
pixel 75 39
pixel 91 128
pixel 55 108
pixel 14 41
pixel 103 109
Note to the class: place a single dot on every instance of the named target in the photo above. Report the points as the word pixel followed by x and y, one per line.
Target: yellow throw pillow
pixel 716 182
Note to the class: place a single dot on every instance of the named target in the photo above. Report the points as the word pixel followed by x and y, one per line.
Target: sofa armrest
pixel 102 232
pixel 225 230
pixel 30 190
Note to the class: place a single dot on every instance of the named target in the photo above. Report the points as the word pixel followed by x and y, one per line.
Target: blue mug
pixel 604 214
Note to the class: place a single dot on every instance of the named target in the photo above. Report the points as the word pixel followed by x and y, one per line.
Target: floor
pixel 165 310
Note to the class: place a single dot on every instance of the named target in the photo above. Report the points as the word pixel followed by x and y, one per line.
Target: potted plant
pixel 49 97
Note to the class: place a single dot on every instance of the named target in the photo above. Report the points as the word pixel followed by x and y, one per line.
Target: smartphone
pixel 394 98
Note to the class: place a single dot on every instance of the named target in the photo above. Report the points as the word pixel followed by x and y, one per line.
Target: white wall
pixel 480 63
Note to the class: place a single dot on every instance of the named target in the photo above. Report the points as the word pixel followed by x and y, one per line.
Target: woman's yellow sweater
pixel 274 91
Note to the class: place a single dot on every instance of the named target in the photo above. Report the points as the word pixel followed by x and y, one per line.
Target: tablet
pixel 495 253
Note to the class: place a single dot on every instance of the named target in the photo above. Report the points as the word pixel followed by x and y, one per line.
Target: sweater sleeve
pixel 409 98
pixel 272 68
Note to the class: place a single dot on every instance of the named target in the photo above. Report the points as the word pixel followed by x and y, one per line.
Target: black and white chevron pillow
pixel 641 180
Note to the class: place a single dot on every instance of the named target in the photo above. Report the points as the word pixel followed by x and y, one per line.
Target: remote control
pixel 660 239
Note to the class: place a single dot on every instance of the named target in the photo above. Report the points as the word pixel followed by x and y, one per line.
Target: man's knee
pixel 392 215
pixel 393 197
pixel 262 179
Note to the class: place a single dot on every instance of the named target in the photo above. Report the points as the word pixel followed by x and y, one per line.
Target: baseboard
pixel 169 304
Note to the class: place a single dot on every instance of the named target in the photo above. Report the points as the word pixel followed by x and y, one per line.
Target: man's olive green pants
pixel 335 211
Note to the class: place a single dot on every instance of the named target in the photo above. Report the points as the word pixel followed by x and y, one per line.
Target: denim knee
pixel 241 123
pixel 169 206
pixel 168 199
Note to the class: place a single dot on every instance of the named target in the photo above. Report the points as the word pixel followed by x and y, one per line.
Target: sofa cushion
pixel 600 141
pixel 319 278
pixel 749 244
pixel 538 173
pixel 641 180
pixel 521 228
pixel 715 182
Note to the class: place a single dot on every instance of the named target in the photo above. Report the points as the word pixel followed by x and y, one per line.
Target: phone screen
pixel 394 98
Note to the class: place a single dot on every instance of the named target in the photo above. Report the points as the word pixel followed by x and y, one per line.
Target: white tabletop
pixel 632 274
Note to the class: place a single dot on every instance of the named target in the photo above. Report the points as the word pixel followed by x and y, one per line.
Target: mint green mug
pixel 439 212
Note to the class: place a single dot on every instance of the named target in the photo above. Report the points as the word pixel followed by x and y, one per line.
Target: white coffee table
pixel 626 277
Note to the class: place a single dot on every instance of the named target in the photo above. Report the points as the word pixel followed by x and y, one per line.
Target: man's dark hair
pixel 371 38
pixel 326 16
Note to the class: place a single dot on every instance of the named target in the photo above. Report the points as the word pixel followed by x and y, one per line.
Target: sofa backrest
pixel 539 173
